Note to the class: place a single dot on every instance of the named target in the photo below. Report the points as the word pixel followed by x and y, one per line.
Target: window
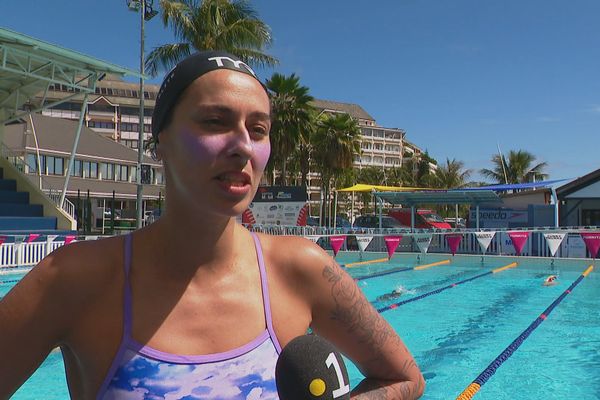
pixel 77 168
pixel 122 173
pixel 32 163
pixel 107 171
pixel 93 170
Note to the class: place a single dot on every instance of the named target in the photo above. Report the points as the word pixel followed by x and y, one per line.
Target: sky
pixel 463 78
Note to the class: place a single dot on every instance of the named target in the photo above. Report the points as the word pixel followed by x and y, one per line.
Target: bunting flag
pixel 69 239
pixel 423 241
pixel 554 241
pixel 32 237
pixel 392 242
pixel 592 242
pixel 19 239
pixel 484 239
pixel 519 238
pixel 50 238
pixel 313 238
pixel 336 243
pixel 453 240
pixel 91 238
pixel 363 242
pixel 2 240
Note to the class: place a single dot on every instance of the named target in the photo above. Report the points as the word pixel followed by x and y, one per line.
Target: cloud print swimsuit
pixel 141 372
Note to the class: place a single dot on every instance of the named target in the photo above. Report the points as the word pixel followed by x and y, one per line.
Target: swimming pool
pixel 455 334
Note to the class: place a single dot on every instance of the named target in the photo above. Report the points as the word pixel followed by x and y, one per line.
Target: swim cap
pixel 184 73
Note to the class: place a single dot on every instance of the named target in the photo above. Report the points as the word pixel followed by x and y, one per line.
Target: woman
pixel 194 304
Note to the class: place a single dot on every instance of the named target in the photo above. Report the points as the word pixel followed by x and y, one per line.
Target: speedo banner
pixel 336 243
pixel 392 242
pixel 484 239
pixel 554 241
pixel 453 240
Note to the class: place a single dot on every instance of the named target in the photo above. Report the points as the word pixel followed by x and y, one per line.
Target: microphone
pixel 309 367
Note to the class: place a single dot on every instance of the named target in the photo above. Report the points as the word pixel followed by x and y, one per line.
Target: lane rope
pixel 487 373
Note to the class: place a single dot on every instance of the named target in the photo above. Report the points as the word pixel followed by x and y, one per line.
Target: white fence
pixel 24 254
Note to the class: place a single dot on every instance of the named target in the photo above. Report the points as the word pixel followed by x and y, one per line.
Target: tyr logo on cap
pixel 236 63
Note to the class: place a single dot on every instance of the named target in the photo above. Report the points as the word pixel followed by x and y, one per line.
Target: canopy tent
pixel 529 185
pixel 362 187
pixel 476 197
pixel 30 67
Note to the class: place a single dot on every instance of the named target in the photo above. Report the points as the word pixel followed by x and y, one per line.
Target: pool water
pixel 454 335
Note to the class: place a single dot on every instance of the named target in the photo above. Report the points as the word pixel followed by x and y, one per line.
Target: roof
pixel 519 186
pixel 579 183
pixel 354 110
pixel 57 135
pixel 361 187
pixel 440 197
pixel 30 65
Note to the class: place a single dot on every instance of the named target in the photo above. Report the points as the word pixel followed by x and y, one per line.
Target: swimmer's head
pixel 183 74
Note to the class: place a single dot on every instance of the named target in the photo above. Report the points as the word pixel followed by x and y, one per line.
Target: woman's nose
pixel 241 144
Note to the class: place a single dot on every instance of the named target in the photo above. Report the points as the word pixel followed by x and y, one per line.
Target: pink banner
pixel 392 242
pixel 453 241
pixel 519 238
pixel 336 243
pixel 592 242
pixel 32 237
pixel 2 240
pixel 69 239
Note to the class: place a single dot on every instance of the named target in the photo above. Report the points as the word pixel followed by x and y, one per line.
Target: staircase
pixel 17 215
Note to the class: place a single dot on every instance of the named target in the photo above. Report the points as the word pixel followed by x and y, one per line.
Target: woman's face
pixel 217 145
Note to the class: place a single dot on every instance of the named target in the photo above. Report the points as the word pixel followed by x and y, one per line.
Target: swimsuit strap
pixel 127 286
pixel 265 291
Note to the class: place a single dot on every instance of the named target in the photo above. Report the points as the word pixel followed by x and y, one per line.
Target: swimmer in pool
pixel 551 281
pixel 394 294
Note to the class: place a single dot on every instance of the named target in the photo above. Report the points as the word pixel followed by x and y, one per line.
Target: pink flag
pixel 336 243
pixel 69 239
pixel 392 242
pixel 519 238
pixel 32 237
pixel 2 239
pixel 592 242
pixel 453 241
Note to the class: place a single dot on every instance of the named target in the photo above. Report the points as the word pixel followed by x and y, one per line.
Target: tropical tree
pixel 292 124
pixel 451 175
pixel 335 142
pixel 229 25
pixel 519 167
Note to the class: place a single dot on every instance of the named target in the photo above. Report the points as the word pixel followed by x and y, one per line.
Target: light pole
pixel 144 7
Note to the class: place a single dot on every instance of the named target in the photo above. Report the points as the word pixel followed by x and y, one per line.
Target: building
pixel 580 201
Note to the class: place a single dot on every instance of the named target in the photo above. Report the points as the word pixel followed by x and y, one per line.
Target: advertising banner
pixel 336 243
pixel 277 205
pixel 495 218
pixel 484 239
pixel 519 238
pixel 592 242
pixel 363 242
pixel 313 238
pixel 392 242
pixel 423 241
pixel 554 241
pixel 454 241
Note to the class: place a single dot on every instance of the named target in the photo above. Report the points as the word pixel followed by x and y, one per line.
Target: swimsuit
pixel 141 372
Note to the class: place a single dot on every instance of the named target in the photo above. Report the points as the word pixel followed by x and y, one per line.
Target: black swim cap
pixel 184 73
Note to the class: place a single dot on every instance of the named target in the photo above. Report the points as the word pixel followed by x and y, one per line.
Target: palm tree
pixel 229 25
pixel 452 175
pixel 335 144
pixel 516 169
pixel 291 123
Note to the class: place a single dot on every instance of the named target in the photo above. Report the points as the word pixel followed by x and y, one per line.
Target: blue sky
pixel 459 76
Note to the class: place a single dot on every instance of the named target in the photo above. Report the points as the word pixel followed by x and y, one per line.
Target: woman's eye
pixel 260 130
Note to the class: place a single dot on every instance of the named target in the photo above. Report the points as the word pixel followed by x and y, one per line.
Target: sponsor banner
pixel 32 237
pixel 484 239
pixel 392 242
pixel 266 213
pixel 336 243
pixel 278 194
pixel 302 216
pixel 554 241
pixel 454 241
pixel 423 240
pixel 495 218
pixel 592 242
pixel 312 238
pixel 363 242
pixel 518 238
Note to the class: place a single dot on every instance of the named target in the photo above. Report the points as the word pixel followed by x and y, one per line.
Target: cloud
pixel 547 119
pixel 594 108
